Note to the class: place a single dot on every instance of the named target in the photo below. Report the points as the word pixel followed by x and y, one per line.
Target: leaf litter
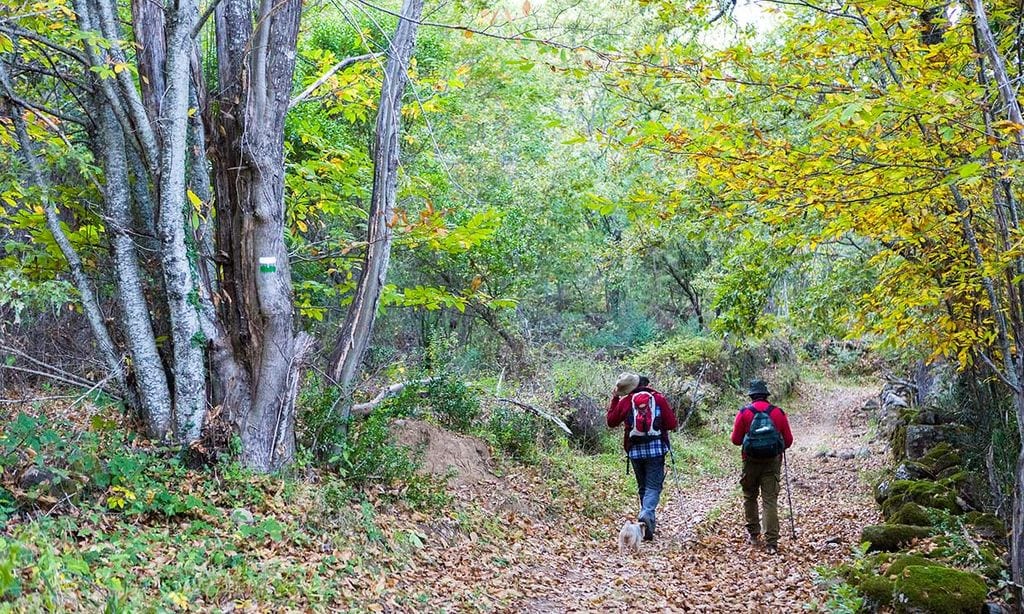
pixel 548 560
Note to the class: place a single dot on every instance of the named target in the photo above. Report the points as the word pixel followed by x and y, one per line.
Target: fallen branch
pixel 59 378
pixel 47 367
pixel 364 409
pixel 538 412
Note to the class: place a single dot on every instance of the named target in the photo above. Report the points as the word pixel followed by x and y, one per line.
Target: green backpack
pixel 763 440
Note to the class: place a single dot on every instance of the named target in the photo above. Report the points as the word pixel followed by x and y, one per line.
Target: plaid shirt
pixel 650 449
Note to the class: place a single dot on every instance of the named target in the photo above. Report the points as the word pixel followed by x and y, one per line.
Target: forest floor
pixel 507 536
pixel 700 561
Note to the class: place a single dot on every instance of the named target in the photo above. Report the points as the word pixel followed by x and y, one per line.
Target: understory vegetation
pixel 100 518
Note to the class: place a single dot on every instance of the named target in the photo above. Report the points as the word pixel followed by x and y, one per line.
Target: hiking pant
pixel 650 477
pixel 764 476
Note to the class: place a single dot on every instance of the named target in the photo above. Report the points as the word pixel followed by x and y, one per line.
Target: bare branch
pixel 202 18
pixel 536 411
pixel 364 409
pixel 60 378
pixel 327 75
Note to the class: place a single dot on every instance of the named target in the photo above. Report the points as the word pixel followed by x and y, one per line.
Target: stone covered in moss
pixel 891 537
pixel 941 457
pixel 903 561
pixel 911 513
pixel 876 589
pixel 988 526
pixel 922 492
pixel 912 470
pixel 942 590
pixel 923 438
pixel 898 442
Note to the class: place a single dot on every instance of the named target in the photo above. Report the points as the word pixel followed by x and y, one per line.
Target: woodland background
pixel 228 226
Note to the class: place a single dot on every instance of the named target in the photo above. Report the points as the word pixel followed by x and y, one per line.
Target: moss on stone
pixel 908 415
pixel 903 561
pixel 922 492
pixel 911 513
pixel 891 537
pixel 912 470
pixel 876 589
pixel 953 477
pixel 987 525
pixel 992 566
pixel 941 457
pixel 941 590
pixel 898 442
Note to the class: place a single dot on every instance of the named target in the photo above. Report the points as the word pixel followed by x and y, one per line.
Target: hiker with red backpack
pixel 763 432
pixel 647 418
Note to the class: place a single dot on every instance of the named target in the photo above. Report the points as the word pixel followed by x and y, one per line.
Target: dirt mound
pixel 462 459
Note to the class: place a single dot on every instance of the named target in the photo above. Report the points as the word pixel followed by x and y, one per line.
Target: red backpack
pixel 644 416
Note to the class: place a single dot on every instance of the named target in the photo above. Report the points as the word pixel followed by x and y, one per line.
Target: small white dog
pixel 630 536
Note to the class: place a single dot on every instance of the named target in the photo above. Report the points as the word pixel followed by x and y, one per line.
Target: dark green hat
pixel 758 388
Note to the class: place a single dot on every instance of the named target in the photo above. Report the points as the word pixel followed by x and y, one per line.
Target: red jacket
pixel 745 416
pixel 620 409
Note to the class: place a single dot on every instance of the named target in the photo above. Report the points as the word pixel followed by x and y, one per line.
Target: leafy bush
pixel 579 376
pixel 515 433
pixel 369 456
pixel 320 429
pixel 453 404
pixel 681 352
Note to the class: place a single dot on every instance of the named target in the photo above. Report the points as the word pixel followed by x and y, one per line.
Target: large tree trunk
pixel 354 336
pixel 256 302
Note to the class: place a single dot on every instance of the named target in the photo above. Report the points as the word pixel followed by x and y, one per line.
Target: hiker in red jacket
pixel 763 431
pixel 648 419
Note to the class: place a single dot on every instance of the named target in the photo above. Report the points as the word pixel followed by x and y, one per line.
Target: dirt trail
pixel 706 565
pixel 700 561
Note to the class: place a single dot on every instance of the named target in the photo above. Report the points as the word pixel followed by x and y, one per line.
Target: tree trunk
pixel 148 27
pixel 151 380
pixel 354 336
pixel 177 262
pixel 1017 522
pixel 259 360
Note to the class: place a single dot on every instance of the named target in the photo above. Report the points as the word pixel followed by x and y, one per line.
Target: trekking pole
pixel 789 496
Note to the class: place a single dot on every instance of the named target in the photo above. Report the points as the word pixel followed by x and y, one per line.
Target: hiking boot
pixel 771 549
pixel 648 529
pixel 754 539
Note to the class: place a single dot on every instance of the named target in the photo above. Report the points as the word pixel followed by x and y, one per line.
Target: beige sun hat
pixel 626 383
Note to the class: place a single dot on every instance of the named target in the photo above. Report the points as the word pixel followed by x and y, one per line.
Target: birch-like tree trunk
pixel 177 262
pixel 154 395
pixel 354 336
